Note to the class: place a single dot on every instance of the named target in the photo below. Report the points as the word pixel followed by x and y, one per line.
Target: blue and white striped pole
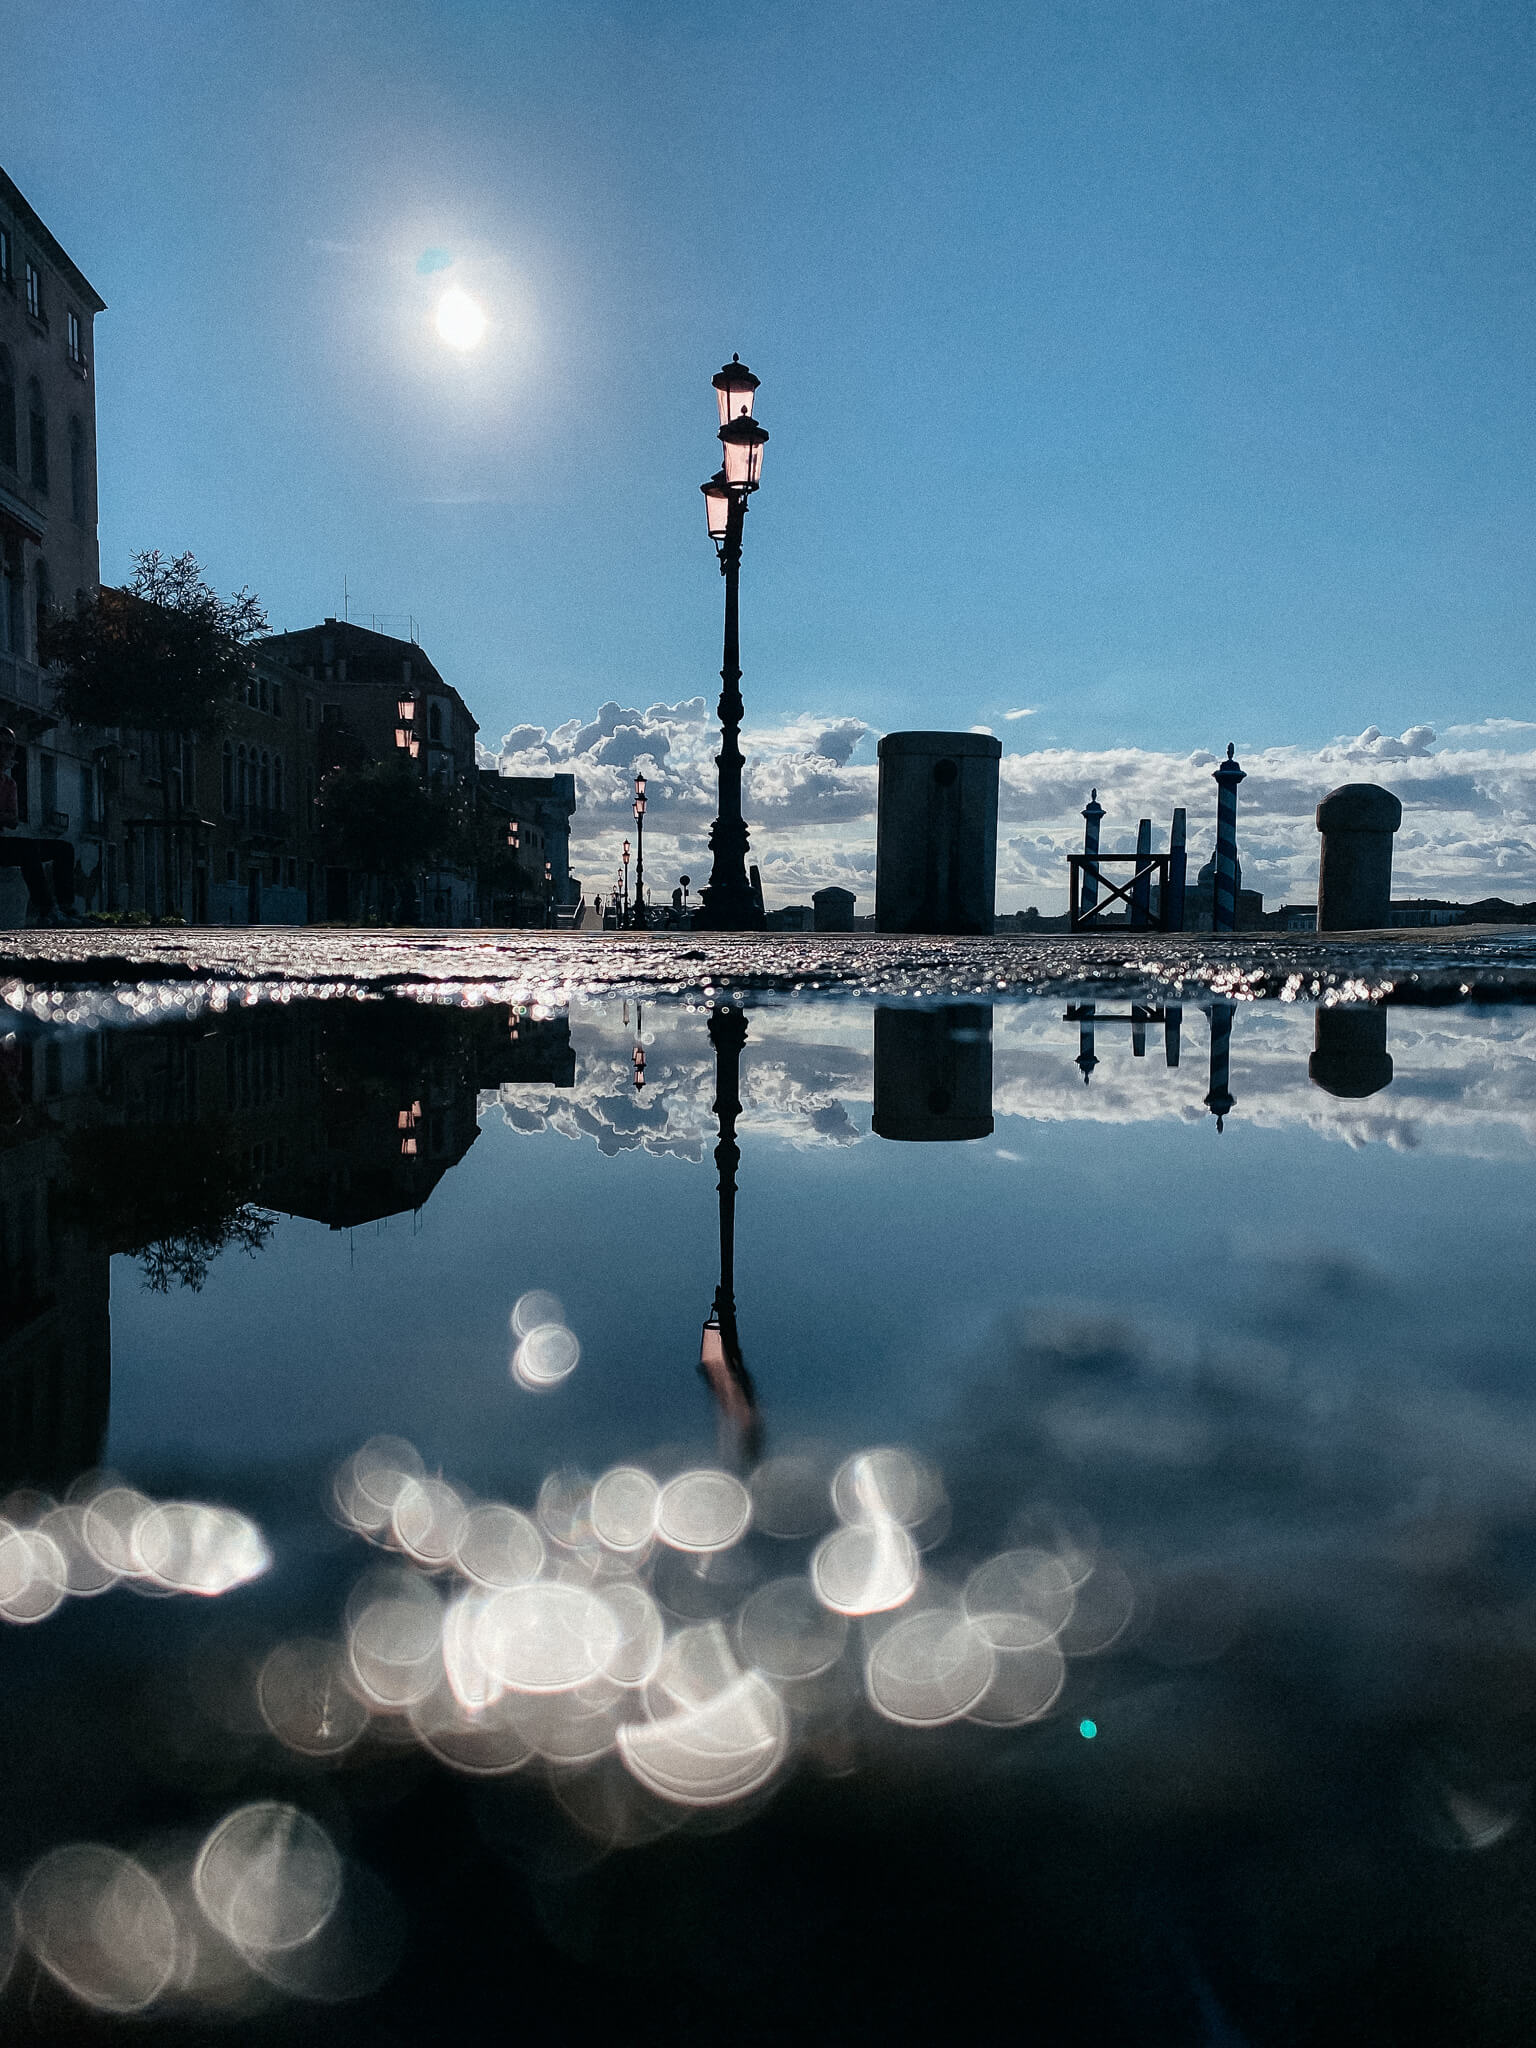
pixel 1224 893
pixel 1093 812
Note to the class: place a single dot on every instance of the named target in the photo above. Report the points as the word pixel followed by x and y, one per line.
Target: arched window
pixel 79 497
pixel 37 435
pixel 42 601
pixel 227 786
pixel 266 783
pixel 277 782
pixel 435 722
pixel 7 410
pixel 245 781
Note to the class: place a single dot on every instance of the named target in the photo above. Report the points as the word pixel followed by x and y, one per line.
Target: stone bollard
pixel 1354 870
pixel 933 1073
pixel 1351 1057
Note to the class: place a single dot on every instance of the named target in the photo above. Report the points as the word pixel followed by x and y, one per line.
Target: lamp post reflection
pixel 720 1360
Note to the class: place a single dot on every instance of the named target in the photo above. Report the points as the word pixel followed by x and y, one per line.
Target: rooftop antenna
pixel 345 599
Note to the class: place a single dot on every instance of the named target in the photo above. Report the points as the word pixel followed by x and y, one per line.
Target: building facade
pixel 373 697
pixel 48 549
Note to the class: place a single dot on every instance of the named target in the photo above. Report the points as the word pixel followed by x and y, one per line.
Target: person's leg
pixel 26 855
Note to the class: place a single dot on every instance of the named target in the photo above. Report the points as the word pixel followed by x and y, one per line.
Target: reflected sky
pixel 1188 1402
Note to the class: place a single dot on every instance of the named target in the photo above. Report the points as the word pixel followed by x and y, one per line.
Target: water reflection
pixel 720 1359
pixel 1267 1543
pixel 933 1073
pixel 1350 1057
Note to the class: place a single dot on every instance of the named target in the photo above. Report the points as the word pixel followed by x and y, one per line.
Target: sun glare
pixel 460 320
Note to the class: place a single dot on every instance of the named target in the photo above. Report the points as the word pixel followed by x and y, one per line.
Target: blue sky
pixel 1162 370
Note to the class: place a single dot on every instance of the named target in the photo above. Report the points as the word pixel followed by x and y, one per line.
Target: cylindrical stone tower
pixel 1354 870
pixel 1224 891
pixel 1093 817
pixel 936 850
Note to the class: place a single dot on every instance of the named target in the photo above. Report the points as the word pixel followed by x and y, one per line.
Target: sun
pixel 460 319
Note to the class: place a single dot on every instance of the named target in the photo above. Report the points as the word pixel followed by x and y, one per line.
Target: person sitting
pixel 46 903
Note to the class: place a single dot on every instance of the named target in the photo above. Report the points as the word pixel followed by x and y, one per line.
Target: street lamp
pixel 626 881
pixel 638 921
pixel 729 903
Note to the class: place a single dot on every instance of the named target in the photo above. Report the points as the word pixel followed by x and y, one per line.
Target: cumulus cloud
pixel 1469 798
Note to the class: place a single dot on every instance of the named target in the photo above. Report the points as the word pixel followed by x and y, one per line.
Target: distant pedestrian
pixel 45 904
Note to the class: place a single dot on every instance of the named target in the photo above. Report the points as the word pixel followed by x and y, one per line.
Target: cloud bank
pixel 1469 803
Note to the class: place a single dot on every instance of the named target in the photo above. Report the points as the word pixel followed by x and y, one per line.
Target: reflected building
pixel 933 1073
pixel 55 1314
pixel 1350 1056
pixel 170 1145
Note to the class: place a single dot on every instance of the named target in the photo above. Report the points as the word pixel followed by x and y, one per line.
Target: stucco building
pixel 48 548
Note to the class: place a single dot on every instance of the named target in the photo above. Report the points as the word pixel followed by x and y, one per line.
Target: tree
pixel 164 655
pixel 171 1195
pixel 382 818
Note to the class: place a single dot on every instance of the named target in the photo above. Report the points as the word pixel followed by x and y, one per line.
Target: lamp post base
pixel 733 909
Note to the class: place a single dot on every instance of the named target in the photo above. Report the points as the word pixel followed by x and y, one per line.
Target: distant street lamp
pixel 626 882
pixel 638 921
pixel 729 903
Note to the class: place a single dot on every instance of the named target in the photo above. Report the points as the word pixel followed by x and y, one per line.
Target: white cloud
pixel 1028 711
pixel 1469 802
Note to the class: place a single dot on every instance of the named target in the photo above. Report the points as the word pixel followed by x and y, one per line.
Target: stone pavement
pixel 1476 963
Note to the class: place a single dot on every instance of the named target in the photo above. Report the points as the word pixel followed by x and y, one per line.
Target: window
pixel 243 780
pixel 293 872
pixel 309 714
pixel 266 782
pixel 7 411
pixel 7 261
pixel 277 700
pixel 277 782
pixel 90 813
pixel 34 290
pixel 227 785
pixel 37 435
pixel 48 784
pixel 261 694
pixel 79 502
pixel 76 344
pixel 231 866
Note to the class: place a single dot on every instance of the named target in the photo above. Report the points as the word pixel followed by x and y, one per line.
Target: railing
pixel 1134 894
pixel 262 821
pixel 22 683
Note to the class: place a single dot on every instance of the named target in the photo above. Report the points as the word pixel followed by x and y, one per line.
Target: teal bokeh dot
pixel 1088 1730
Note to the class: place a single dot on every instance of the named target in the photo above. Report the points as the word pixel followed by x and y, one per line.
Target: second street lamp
pixel 625 919
pixel 637 923
pixel 729 902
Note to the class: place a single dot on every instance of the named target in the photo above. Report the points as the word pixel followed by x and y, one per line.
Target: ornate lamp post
pixel 637 922
pixel 624 919
pixel 728 902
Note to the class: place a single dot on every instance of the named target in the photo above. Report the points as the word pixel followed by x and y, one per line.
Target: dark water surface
pixel 1093 1582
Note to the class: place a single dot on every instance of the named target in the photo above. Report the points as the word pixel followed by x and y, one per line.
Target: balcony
pixel 23 683
pixel 261 821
